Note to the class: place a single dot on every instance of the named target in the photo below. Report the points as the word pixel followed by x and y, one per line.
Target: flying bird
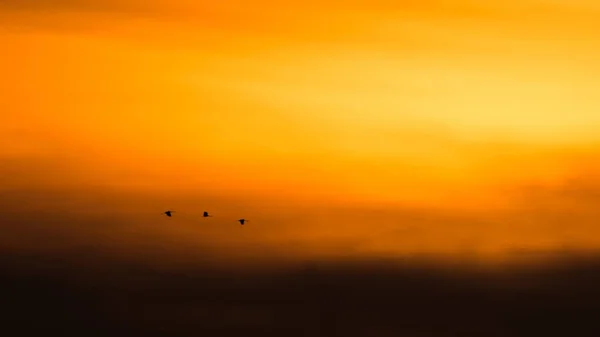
pixel 242 221
pixel 206 214
pixel 168 213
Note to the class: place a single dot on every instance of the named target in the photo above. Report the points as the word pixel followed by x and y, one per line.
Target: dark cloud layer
pixel 100 297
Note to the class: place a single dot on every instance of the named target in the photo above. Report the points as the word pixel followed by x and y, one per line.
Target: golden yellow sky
pixel 344 128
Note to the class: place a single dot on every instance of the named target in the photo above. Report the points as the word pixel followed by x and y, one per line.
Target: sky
pixel 340 129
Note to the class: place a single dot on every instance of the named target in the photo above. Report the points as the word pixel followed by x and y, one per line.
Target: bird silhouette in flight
pixel 242 221
pixel 168 213
pixel 205 214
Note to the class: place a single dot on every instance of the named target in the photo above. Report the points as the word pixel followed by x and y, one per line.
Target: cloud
pixel 85 292
pixel 539 218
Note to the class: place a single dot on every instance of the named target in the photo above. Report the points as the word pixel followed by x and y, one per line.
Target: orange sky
pixel 346 128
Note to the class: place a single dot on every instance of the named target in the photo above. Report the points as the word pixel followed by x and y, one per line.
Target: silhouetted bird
pixel 206 214
pixel 168 213
pixel 242 221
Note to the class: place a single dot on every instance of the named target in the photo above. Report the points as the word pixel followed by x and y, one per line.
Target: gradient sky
pixel 345 128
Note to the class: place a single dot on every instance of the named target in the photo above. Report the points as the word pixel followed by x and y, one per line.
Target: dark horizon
pixel 93 295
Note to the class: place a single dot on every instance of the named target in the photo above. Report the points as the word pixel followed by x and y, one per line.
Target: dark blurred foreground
pixel 95 297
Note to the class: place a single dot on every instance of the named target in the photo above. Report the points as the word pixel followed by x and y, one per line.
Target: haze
pixel 349 129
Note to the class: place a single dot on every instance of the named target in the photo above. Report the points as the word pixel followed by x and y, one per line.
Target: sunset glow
pixel 351 128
